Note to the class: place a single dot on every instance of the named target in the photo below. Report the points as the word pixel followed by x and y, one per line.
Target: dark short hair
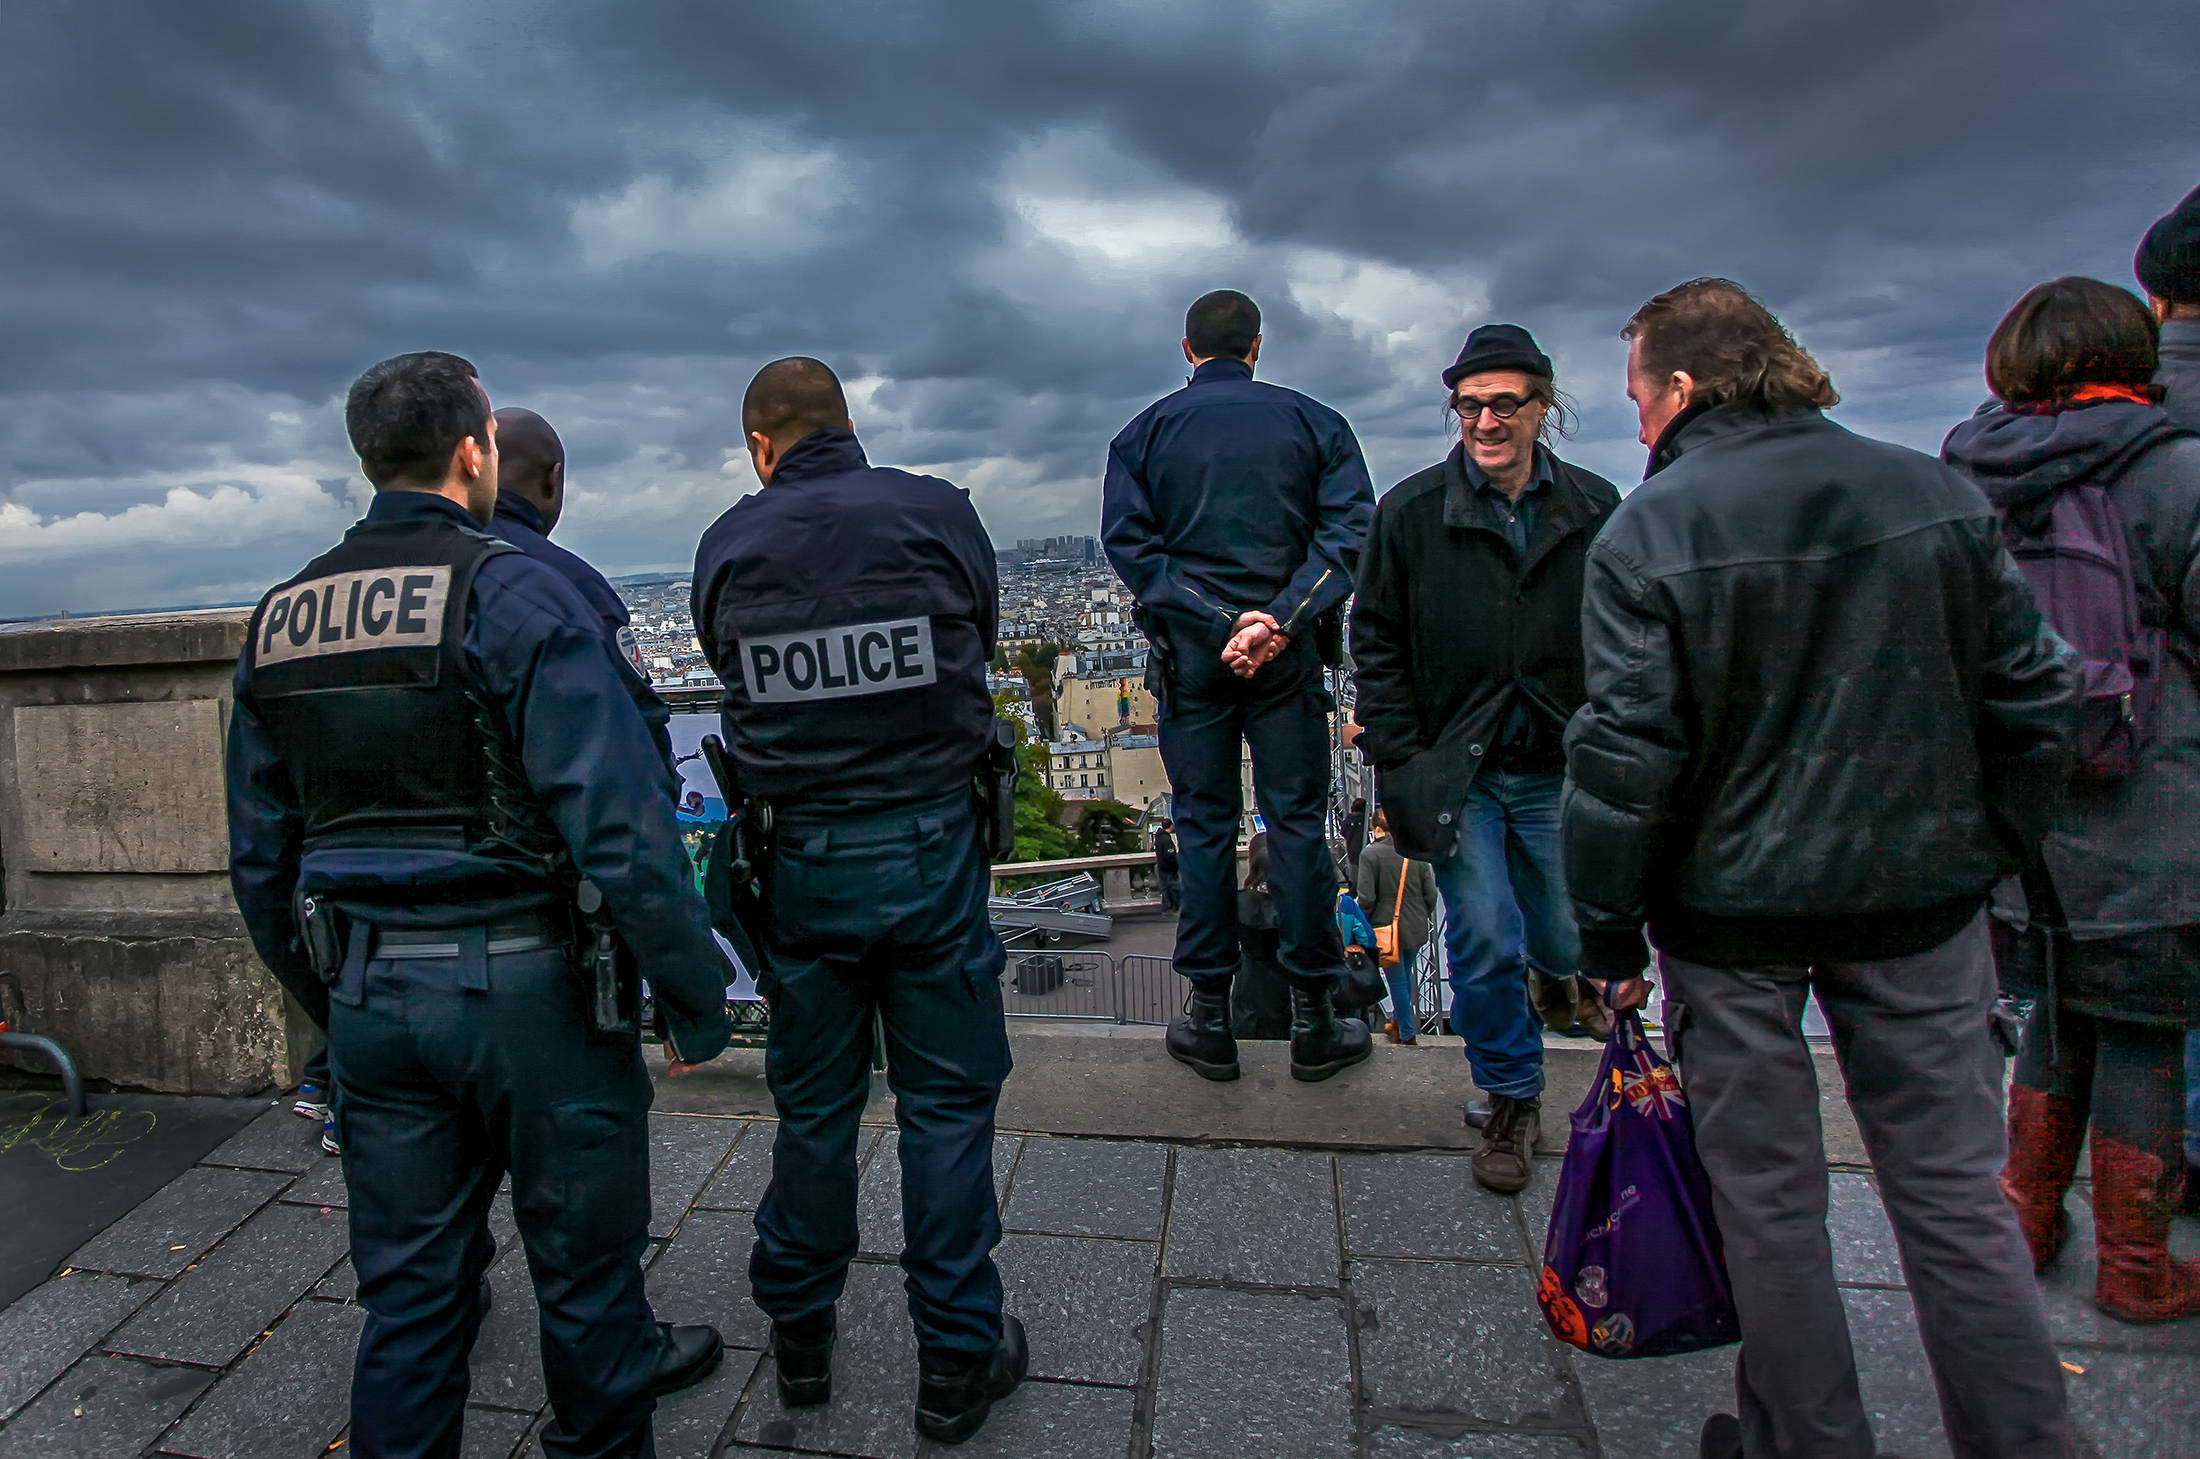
pixel 1224 322
pixel 2070 332
pixel 407 415
pixel 1732 346
pixel 791 398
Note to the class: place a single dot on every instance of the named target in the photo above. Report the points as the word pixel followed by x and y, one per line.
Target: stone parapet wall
pixel 115 912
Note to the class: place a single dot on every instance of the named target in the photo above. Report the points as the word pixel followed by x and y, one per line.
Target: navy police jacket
pixel 541 659
pixel 1233 495
pixel 850 611
pixel 518 523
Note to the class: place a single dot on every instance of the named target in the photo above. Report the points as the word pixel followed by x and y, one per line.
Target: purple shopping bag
pixel 1632 1263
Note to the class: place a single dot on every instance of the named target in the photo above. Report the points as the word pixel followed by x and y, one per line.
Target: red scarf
pixel 2085 395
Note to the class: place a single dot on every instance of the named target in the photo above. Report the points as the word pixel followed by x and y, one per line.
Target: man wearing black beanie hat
pixel 2168 266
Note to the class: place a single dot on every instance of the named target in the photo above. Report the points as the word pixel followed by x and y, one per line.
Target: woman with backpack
pixel 2100 500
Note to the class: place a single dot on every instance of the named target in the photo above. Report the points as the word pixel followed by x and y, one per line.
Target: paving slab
pixel 1247 1373
pixel 2066 1290
pixel 1864 1249
pixel 290 1397
pixel 741 1180
pixel 507 1362
pixel 684 1151
pixel 102 1407
pixel 1424 1205
pixel 1393 1442
pixel 1084 1303
pixel 64 1178
pixel 492 1433
pixel 1260 1216
pixel 1463 1341
pixel 874 1381
pixel 1892 1374
pixel 321 1186
pixel 48 1328
pixel 2135 1405
pixel 1088 1188
pixel 277 1140
pixel 220 1307
pixel 1058 1420
pixel 1653 1408
pixel 178 1223
pixel 688 1423
pixel 340 1285
pixel 703 1276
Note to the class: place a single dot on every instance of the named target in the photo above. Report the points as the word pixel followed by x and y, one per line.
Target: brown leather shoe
pixel 1506 1158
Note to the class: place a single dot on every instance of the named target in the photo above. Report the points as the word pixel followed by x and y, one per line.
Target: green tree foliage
pixel 1040 835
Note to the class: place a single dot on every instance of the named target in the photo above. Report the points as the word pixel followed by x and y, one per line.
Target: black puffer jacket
pixel 1824 711
pixel 2125 856
pixel 1450 628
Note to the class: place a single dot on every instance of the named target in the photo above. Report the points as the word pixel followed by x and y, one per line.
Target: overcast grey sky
pixel 988 215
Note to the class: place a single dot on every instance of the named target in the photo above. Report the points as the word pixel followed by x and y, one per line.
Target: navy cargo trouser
pixel 884 912
pixel 444 1087
pixel 1207 715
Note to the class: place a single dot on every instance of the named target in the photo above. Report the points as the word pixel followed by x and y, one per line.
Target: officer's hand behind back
pixel 691 1042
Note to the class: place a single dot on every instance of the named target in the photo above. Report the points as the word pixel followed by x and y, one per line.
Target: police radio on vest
pixel 838 663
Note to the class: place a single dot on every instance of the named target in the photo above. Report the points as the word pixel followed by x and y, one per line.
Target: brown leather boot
pixel 2134 1195
pixel 2045 1131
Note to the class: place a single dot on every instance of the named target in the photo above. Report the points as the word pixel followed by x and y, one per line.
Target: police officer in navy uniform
pixel 433 760
pixel 1235 511
pixel 851 611
pixel 530 500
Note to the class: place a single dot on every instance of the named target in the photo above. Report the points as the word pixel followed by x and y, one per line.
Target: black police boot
pixel 1321 1042
pixel 1202 1037
pixel 802 1354
pixel 687 1357
pixel 956 1390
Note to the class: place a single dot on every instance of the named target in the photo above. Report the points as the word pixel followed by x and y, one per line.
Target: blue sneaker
pixel 328 1137
pixel 311 1104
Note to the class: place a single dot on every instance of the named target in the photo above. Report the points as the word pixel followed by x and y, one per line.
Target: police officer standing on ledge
pixel 1234 512
pixel 435 769
pixel 850 611
pixel 530 501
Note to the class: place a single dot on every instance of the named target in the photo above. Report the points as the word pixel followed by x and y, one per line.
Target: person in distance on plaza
pixel 1234 511
pixel 530 504
pixel 1825 716
pixel 2076 410
pixel 432 745
pixel 1393 889
pixel 1165 865
pixel 2168 266
pixel 1464 725
pixel 878 880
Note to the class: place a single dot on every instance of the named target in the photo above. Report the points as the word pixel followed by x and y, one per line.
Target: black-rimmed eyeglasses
pixel 1504 407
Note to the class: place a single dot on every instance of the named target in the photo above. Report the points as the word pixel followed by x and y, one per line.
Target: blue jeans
pixel 884 913
pixel 1282 712
pixel 1504 904
pixel 1403 1003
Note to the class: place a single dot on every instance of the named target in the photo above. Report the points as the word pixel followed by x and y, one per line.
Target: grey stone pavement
pixel 1183 1300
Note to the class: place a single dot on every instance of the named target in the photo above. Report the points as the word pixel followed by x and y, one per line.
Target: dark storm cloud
pixel 988 216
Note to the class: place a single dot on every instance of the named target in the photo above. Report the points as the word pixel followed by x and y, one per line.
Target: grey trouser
pixel 1924 1078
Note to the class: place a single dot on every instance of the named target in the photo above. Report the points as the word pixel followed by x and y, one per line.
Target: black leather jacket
pixel 1825 715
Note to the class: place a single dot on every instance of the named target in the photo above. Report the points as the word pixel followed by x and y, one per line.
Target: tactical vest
pixel 357 665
